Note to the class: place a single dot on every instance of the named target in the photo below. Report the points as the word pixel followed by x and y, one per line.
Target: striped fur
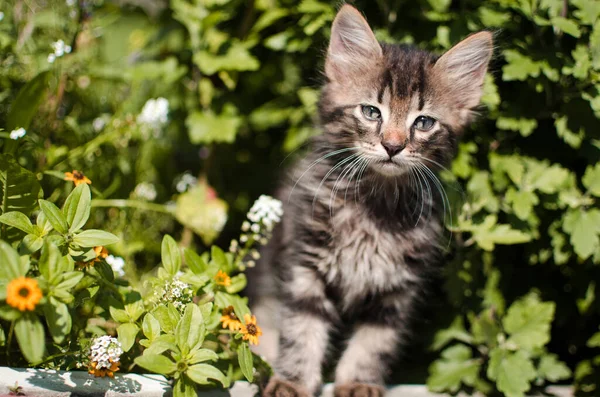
pixel 358 242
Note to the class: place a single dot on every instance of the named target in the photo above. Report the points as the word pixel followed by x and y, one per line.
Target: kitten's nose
pixel 392 149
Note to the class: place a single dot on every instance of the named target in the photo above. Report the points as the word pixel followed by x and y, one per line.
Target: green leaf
pixel 522 202
pixel 30 336
pixel 238 283
pixel 156 363
pixel 135 310
pixel 167 318
pixel 119 315
pixel 218 257
pixel 26 104
pixel 512 371
pixel 591 180
pixel 201 373
pixel 54 216
pixel 77 207
pixel 126 335
pixel 69 280
pixel 150 327
pixel 594 341
pixel 488 234
pixel 190 330
pixel 94 238
pixel 30 244
pixel 524 126
pixel 573 139
pixel 455 367
pixel 184 387
pixel 236 58
pixel 17 220
pixel 566 25
pixel 519 67
pixel 202 355
pixel 528 322
pixel 550 368
pixel 456 331
pixel 58 319
pixel 161 344
pixel 584 228
pixel 202 211
pixel 171 256
pixel 194 261
pixel 19 188
pixel 11 266
pixel 245 360
pixel 485 328
pixel 205 127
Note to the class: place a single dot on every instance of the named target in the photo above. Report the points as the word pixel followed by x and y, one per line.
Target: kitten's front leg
pixel 364 363
pixel 305 322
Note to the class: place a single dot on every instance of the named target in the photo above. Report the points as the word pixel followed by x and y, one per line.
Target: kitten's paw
pixel 278 387
pixel 358 390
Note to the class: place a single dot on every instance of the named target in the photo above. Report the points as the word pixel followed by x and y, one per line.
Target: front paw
pixel 278 387
pixel 358 390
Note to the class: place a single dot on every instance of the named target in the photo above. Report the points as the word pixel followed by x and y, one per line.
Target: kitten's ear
pixel 353 46
pixel 463 68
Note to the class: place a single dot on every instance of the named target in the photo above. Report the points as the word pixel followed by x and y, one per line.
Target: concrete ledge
pixel 48 383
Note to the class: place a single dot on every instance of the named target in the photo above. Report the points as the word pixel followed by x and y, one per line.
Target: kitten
pixel 363 213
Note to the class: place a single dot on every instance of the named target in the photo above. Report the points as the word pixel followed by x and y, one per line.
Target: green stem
pixel 142 205
pixel 9 341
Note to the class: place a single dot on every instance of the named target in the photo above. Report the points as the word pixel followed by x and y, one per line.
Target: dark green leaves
pixel 19 188
pixel 27 101
pixel 30 335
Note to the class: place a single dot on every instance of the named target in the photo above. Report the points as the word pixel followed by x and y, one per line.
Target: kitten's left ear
pixel 463 68
pixel 353 47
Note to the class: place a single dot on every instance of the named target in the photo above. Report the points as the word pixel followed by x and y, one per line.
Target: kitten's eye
pixel 424 123
pixel 371 112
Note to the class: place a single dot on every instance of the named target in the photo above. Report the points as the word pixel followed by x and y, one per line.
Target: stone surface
pixel 47 383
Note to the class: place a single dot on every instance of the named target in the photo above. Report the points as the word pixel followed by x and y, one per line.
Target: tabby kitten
pixel 363 212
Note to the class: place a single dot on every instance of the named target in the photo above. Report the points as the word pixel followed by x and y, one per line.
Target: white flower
pixel 60 49
pixel 266 210
pixel 176 292
pixel 105 350
pixel 186 181
pixel 154 113
pixel 70 3
pixel 18 133
pixel 1 15
pixel 98 124
pixel 146 191
pixel 116 263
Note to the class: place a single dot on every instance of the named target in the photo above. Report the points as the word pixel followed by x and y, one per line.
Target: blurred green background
pixel 236 83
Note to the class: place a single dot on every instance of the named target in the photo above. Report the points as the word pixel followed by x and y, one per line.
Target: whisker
pixel 336 166
pixel 340 177
pixel 315 163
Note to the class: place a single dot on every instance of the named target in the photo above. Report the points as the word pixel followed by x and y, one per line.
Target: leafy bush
pixel 179 113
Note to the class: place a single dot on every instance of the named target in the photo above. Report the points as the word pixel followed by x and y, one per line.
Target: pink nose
pixel 392 149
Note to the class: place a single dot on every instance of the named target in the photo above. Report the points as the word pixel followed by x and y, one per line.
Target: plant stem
pixel 142 205
pixel 9 341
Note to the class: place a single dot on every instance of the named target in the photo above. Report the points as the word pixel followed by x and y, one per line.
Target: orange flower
pixel 250 331
pixel 230 320
pixel 23 293
pixel 101 253
pixel 221 278
pixel 102 372
pixel 77 177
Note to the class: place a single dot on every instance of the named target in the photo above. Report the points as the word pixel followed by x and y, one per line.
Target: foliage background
pixel 242 80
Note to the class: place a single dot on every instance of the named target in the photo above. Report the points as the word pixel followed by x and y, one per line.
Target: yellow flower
pixel 250 331
pixel 77 177
pixel 102 372
pixel 101 253
pixel 230 320
pixel 221 278
pixel 23 293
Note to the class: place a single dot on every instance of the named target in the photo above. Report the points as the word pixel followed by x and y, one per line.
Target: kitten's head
pixel 398 105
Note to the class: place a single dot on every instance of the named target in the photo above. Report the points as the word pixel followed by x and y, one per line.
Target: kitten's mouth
pixel 389 167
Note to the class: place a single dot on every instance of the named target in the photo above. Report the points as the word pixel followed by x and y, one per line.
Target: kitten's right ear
pixel 353 46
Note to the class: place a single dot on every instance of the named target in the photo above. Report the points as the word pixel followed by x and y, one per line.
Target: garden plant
pixel 135 136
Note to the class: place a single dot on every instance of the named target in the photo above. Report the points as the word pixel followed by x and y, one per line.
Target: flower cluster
pixel 146 191
pixel 176 292
pixel 23 294
pixel 262 218
pixel 186 181
pixel 77 177
pixel 154 113
pixel 60 49
pixel 18 133
pixel 117 264
pixel 222 279
pixel 105 354
pixel 250 330
pixel 100 252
